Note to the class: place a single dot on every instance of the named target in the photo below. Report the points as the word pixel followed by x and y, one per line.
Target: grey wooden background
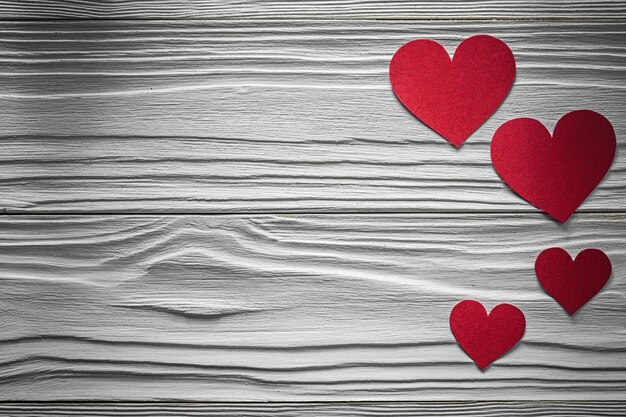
pixel 222 202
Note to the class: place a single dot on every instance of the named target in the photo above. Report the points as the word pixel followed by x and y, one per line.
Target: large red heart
pixel 453 96
pixel 486 337
pixel 572 283
pixel 555 173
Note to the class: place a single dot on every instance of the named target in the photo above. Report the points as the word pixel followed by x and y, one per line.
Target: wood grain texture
pixel 296 308
pixel 362 409
pixel 246 116
pixel 311 9
pixel 236 117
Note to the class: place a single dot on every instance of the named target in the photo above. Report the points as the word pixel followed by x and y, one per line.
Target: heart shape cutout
pixel 454 96
pixel 554 173
pixel 486 337
pixel 572 283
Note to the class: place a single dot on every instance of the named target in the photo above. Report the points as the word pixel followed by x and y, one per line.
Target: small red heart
pixel 453 96
pixel 554 173
pixel 572 283
pixel 486 337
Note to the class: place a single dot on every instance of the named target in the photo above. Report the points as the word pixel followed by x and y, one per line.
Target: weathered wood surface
pixel 309 9
pixel 242 117
pixel 296 308
pixel 279 111
pixel 343 409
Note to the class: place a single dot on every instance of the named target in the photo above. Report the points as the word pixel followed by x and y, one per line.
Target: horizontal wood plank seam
pixel 300 212
pixel 328 20
pixel 287 402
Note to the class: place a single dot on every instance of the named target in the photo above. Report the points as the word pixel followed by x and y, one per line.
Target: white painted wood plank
pixel 295 308
pixel 290 409
pixel 282 9
pixel 241 117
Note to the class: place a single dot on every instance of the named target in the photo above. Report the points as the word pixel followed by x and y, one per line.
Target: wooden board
pixel 326 409
pixel 242 117
pixel 295 308
pixel 309 9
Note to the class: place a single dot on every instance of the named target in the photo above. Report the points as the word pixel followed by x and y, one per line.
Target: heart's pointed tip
pixel 561 218
pixel 483 366
pixel 456 142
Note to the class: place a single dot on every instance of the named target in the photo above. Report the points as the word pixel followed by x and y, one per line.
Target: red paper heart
pixel 453 96
pixel 555 173
pixel 572 283
pixel 486 337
